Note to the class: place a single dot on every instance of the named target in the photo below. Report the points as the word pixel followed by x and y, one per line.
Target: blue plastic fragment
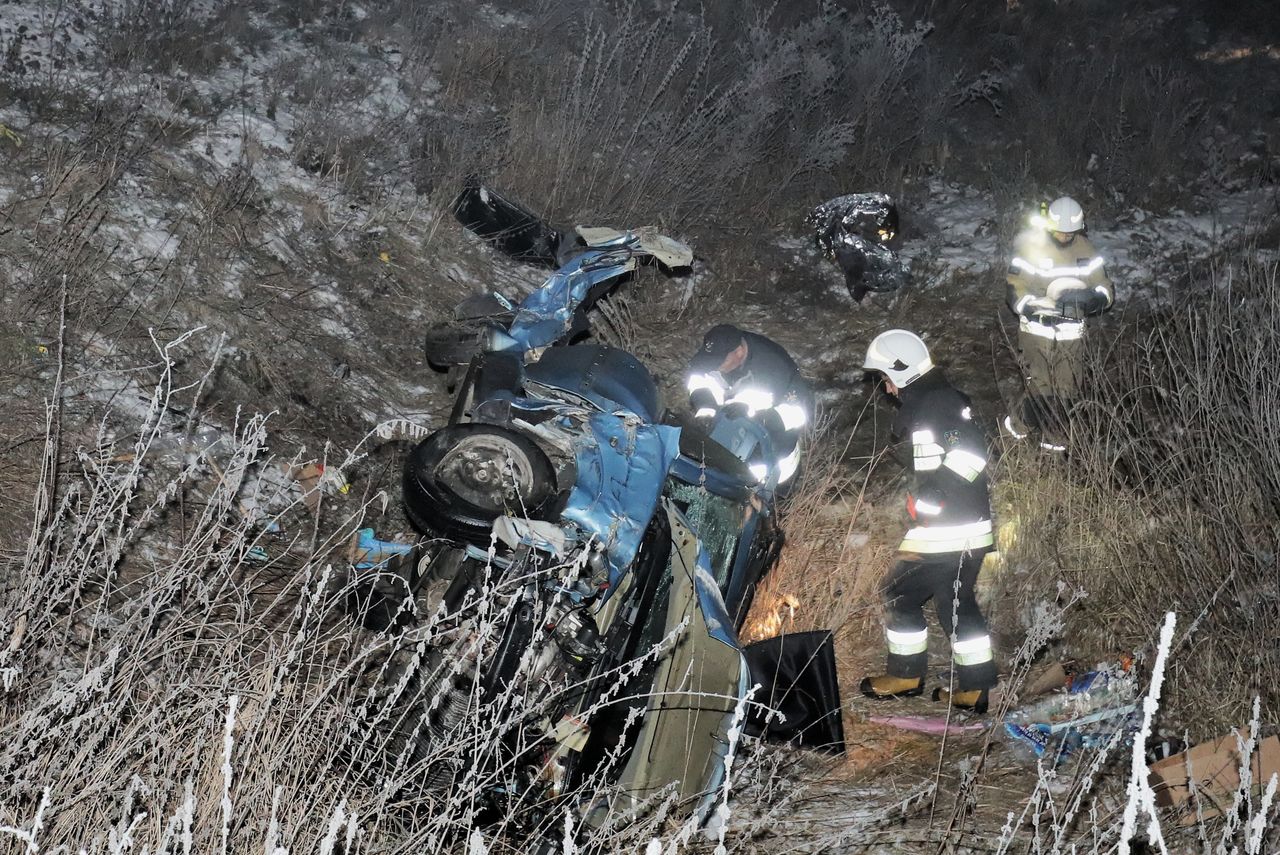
pixel 376 553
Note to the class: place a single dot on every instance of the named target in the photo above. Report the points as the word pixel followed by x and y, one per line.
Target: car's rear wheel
pixel 463 477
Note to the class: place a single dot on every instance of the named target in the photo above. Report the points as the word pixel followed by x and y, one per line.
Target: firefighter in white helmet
pixel 1056 280
pixel 950 527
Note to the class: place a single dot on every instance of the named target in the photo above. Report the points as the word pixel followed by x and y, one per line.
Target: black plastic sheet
pixel 797 677
pixel 505 223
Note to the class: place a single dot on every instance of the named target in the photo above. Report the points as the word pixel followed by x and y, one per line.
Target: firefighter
pixel 950 527
pixel 739 373
pixel 1055 281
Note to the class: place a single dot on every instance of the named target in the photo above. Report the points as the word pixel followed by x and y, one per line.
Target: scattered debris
pixel 1093 708
pixel 314 479
pixel 934 725
pixel 368 552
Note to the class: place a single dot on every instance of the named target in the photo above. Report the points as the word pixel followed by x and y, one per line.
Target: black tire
pixel 453 343
pixel 461 478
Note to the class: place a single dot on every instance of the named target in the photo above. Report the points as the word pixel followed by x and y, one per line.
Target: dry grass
pixel 837 547
pixel 1169 500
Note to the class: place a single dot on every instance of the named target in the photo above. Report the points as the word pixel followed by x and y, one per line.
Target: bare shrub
pixel 829 569
pixel 668 118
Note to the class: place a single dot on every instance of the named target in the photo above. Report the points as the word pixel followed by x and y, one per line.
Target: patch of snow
pixel 333 327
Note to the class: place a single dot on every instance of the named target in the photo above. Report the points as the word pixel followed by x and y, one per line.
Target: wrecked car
pixel 858 231
pixel 597 563
pixel 590 263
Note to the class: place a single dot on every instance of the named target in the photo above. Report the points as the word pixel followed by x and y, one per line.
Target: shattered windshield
pixel 718 522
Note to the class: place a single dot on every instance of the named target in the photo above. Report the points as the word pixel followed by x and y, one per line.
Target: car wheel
pixel 463 477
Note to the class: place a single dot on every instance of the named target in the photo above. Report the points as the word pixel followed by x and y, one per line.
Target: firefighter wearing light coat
pixel 743 373
pixel 1056 280
pixel 950 527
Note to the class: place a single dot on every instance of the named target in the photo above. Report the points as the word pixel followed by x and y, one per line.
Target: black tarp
pixel 797 677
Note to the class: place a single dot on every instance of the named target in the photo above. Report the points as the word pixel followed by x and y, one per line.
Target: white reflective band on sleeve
pixel 966 464
pixel 1063 331
pixel 793 415
pixel 788 465
pixel 907 643
pixel 948 538
pixel 927 508
pixel 755 399
pixel 705 413
pixel 1046 269
pixel 1008 425
pixel 926 451
pixel 759 470
pixel 709 382
pixel 972 651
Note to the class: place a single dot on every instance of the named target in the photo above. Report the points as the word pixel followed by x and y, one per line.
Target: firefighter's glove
pixel 1078 305
pixel 735 411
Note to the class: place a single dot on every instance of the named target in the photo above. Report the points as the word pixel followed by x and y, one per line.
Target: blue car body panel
pixel 622 464
pixel 604 377
pixel 547 314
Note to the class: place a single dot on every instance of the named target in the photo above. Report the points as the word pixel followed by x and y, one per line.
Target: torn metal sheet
pixel 622 464
pixel 669 251
pixel 553 310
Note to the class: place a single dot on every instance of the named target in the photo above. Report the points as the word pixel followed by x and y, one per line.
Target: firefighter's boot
pixel 884 687
pixel 975 700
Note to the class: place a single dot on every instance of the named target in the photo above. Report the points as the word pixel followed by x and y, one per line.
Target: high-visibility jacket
pixel 768 384
pixel 946 453
pixel 1038 270
pixel 1052 288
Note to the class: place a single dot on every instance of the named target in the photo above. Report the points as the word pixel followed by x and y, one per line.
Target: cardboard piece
pixel 1051 679
pixel 1216 767
pixel 308 479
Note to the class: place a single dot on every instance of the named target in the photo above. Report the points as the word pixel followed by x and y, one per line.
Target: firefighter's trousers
pixel 1051 359
pixel 948 579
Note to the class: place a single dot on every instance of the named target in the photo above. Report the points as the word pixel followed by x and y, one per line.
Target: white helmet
pixel 1065 215
pixel 900 355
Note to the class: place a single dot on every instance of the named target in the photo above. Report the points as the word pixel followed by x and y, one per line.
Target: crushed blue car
pixel 620 551
pixel 587 564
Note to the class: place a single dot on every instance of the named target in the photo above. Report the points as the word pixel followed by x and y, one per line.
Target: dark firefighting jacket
pixel 946 452
pixel 768 385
